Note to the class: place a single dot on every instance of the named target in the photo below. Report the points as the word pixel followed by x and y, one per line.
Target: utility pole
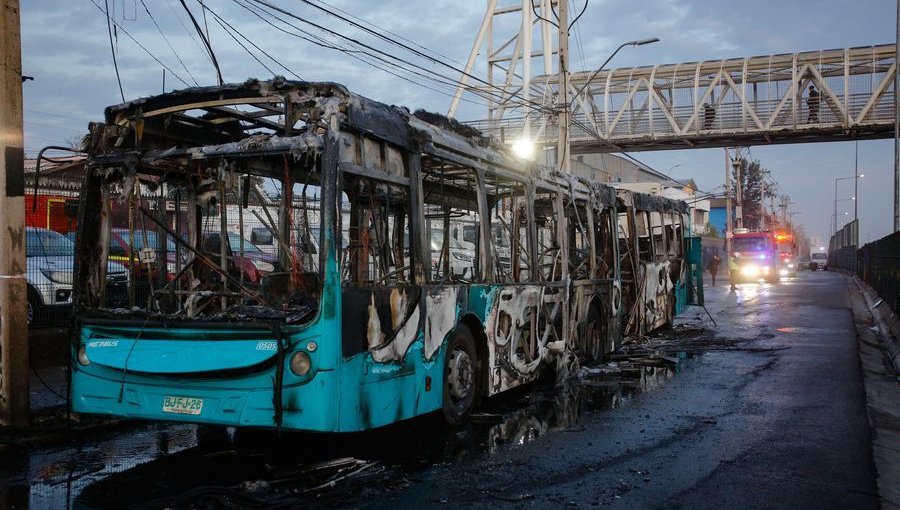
pixel 762 203
pixel 562 150
pixel 14 403
pixel 784 207
pixel 728 232
pixel 772 201
pixel 738 186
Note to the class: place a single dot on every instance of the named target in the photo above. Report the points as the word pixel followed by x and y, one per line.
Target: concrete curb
pixel 888 322
pixel 882 392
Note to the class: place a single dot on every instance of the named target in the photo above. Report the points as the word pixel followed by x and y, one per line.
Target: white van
pixel 818 260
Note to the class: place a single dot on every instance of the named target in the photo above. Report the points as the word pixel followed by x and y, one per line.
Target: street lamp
pixel 856 178
pixel 523 148
pixel 639 42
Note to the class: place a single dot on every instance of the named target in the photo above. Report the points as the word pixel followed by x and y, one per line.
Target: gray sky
pixel 66 48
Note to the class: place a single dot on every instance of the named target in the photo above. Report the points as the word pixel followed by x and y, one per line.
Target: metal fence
pixel 878 264
pixel 50 212
pixel 842 247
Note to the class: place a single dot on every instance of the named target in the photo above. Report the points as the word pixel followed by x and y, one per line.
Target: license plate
pixel 182 405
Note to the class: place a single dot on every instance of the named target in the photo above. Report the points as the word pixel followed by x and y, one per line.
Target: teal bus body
pixel 385 329
pixel 337 395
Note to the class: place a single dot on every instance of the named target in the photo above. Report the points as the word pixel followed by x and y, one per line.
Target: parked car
pixel 819 260
pixel 256 263
pixel 120 245
pixel 49 259
pixel 462 261
pixel 802 263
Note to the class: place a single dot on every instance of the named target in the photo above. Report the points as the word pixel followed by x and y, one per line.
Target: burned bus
pixel 361 319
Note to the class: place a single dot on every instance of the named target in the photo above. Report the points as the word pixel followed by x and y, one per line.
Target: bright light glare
pixel 523 148
pixel 750 270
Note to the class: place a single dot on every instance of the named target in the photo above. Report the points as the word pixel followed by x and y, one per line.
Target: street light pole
pixel 639 42
pixel 855 177
pixel 566 105
pixel 834 224
pixel 856 181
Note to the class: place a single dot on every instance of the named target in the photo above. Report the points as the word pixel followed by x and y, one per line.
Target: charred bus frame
pixel 384 328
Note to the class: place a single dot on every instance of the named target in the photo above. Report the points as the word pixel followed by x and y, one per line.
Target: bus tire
pixel 460 375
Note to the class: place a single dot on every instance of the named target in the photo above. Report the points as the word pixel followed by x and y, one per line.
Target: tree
pixel 801 239
pixel 752 175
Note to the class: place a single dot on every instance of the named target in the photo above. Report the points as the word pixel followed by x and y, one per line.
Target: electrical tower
pixel 520 40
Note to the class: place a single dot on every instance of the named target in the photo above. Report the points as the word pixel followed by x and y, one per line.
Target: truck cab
pixel 818 260
pixel 756 256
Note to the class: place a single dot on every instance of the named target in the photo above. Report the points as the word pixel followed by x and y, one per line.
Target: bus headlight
pixel 300 363
pixel 83 357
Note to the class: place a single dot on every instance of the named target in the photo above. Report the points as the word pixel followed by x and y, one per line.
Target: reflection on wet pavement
pixel 184 466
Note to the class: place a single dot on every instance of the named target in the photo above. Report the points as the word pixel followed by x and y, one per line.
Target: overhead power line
pixel 359 55
pixel 361 20
pixel 112 48
pixel 408 48
pixel 178 15
pixel 229 28
pixel 205 40
pixel 169 44
pixel 141 46
pixel 388 57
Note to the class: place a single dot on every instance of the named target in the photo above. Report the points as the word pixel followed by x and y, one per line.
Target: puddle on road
pixel 802 329
pixel 185 466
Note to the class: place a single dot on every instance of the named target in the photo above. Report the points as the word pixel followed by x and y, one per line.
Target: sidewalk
pixel 882 390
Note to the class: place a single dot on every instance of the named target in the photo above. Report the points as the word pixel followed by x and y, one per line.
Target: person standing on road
pixel 713 267
pixel 812 101
pixel 732 271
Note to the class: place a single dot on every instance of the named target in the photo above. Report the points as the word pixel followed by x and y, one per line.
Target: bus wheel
pixel 460 374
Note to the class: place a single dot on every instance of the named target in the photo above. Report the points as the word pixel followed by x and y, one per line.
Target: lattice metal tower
pixel 520 40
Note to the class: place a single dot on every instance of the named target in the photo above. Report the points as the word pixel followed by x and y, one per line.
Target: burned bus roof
pixel 645 202
pixel 249 120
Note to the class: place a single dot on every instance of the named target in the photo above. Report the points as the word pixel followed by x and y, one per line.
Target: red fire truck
pixel 787 253
pixel 756 255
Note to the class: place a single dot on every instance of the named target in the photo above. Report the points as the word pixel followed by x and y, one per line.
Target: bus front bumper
pixel 308 406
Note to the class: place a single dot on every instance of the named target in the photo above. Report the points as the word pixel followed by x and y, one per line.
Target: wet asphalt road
pixel 780 429
pixel 776 421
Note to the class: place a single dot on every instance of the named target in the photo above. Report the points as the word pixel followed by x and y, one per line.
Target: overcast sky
pixel 66 48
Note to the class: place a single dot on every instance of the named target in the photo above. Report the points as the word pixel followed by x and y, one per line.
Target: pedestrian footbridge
pixel 733 102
